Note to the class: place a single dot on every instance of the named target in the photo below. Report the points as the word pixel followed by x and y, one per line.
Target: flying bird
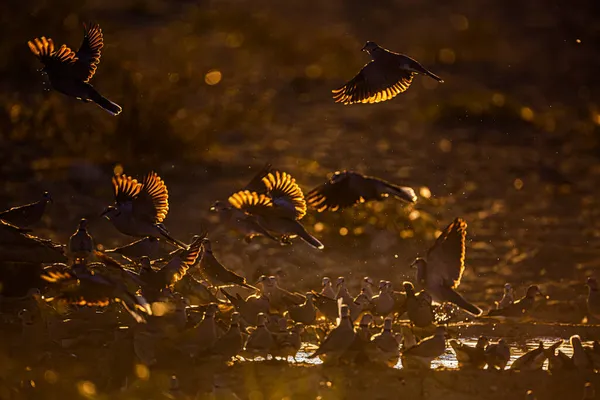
pixel 387 75
pixel 140 208
pixel 441 272
pixel 347 188
pixel 70 72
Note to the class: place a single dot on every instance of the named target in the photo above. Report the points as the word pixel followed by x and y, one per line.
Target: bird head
pixel 219 206
pixel 507 288
pixel 206 244
pixel 482 342
pixel 145 263
pixel 326 281
pixel 340 282
pixel 369 47
pixel 46 197
pixel 367 281
pixel 83 223
pixel 110 212
pixel 409 288
pixel 419 263
pixel 533 291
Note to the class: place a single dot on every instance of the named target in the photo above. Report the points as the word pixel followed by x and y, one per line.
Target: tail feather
pixel 434 76
pixel 177 243
pixel 453 297
pixel 308 238
pixel 400 192
pixel 105 103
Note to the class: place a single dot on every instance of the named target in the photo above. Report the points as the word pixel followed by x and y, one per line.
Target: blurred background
pixel 211 90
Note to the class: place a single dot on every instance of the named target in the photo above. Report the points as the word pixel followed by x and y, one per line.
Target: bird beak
pixel 364 48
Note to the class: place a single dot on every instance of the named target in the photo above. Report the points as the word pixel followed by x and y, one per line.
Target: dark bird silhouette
pixel 140 208
pixel 69 72
pixel 347 188
pixel 382 79
pixel 215 272
pixel 148 246
pixel 520 308
pixel 81 243
pixel 28 214
pixel 17 245
pixel 441 272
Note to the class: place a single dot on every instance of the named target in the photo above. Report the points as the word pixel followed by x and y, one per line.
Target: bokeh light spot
pixel 343 231
pixel 213 77
pixel 447 56
pixel 498 99
pixel 118 169
pixel 319 226
pixel 459 22
pixel 51 376
pixel 518 183
pixel 425 192
pixel 142 372
pixel 86 389
pixel 527 114
pixel 313 71
pixel 445 145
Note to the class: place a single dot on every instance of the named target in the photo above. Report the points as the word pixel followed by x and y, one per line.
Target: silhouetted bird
pixel 81 243
pixel 140 207
pixel 347 188
pixel 440 274
pixel 382 79
pixel 215 272
pixel 17 245
pixel 28 214
pixel 69 72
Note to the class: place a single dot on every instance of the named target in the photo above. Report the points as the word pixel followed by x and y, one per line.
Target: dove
pixel 305 313
pixel 279 297
pixel 287 341
pixel 81 244
pixel 327 288
pixel 28 214
pixel 534 359
pixel 387 75
pixel 195 291
pixel 423 353
pixel 326 306
pixel 148 246
pixel 140 208
pixel 231 343
pixel 203 335
pixel 418 306
pixel 507 297
pixel 347 188
pixel 408 338
pixel 260 342
pixel 355 306
pixel 17 245
pixel 277 208
pixel 593 299
pixel 589 393
pixel 367 285
pixel 383 303
pixel 497 355
pixel 359 349
pixel 338 340
pixel 560 362
pixel 388 351
pixel 70 72
pixel 520 308
pixel 215 272
pixel 581 358
pixel 441 272
pixel 250 307
pixel 470 357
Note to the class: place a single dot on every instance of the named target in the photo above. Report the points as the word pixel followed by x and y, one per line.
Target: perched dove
pixel 418 306
pixel 497 355
pixel 280 298
pixel 381 79
pixel 347 188
pixel 383 303
pixel 360 349
pixel 250 307
pixel 69 72
pixel 508 297
pixel 305 313
pixel 426 350
pixel 534 359
pixel 367 285
pixel 470 357
pixel 581 358
pixel 338 340
pixel 388 350
pixel 520 308
pixel 140 208
pixel 440 274
pixel 288 341
pixel 81 244
pixel 326 306
pixel 560 362
pixel 231 343
pixel 27 215
pixel 215 272
pixel 203 335
pixel 260 342
pixel 593 299
pixel 327 288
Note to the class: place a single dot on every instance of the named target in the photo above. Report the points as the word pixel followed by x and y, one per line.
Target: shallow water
pixel 448 359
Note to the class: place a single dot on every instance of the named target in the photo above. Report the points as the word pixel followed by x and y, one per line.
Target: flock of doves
pixel 156 287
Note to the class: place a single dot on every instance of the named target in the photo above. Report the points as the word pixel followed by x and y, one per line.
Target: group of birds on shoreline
pixel 69 72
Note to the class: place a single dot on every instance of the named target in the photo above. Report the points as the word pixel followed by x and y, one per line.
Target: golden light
pixel 174 77
pixel 425 192
pixel 15 112
pixel 213 77
pixel 445 145
pixel 578 40
pixel 343 231
pixel 86 389
pixel 118 169
pixel 159 308
pixel 498 99
pixel 234 40
pixel 596 118
pixel 447 56
pixel 518 183
pixel 142 372
pixel 527 114
pixel 459 22
pixel 50 376
pixel 414 215
pixel 319 226
pixel 359 230
pixel 313 71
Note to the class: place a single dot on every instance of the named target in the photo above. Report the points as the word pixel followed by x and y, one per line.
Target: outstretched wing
pixel 88 55
pixel 252 202
pixel 256 184
pixel 43 49
pixel 126 189
pixel 377 81
pixel 447 256
pixel 336 193
pixel 285 193
pixel 178 266
pixel 152 204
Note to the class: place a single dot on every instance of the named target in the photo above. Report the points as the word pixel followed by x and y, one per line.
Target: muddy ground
pixel 510 142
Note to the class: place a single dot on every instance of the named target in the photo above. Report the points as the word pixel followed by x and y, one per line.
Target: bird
pixel 279 298
pixel 529 395
pixel 287 341
pixel 387 75
pixel 361 348
pixel 589 393
pixel 231 343
pixel 423 353
pixel 348 188
pixel 81 243
pixel 277 208
pixel 83 287
pixel 470 357
pixel 418 306
pixel 195 291
pixel 215 272
pixel 581 358
pixel 327 288
pixel 260 342
pixel 154 280
pixel 520 308
pixel 367 285
pixel 202 336
pixel 441 272
pixel 383 303
pixel 140 208
pixel 507 297
pixel 148 246
pixel 560 362
pixel 534 359
pixel 250 307
pixel 70 72
pixel 18 245
pixel 27 215
pixel 326 305
pixel 387 347
pixel 593 299
pixel 497 355
pixel 338 340
pixel 305 313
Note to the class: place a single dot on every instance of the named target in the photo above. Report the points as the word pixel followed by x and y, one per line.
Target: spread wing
pixel 152 204
pixel 338 192
pixel 256 184
pixel 447 256
pixel 178 266
pixel 285 193
pixel 126 189
pixel 377 81
pixel 252 202
pixel 88 55
pixel 44 50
